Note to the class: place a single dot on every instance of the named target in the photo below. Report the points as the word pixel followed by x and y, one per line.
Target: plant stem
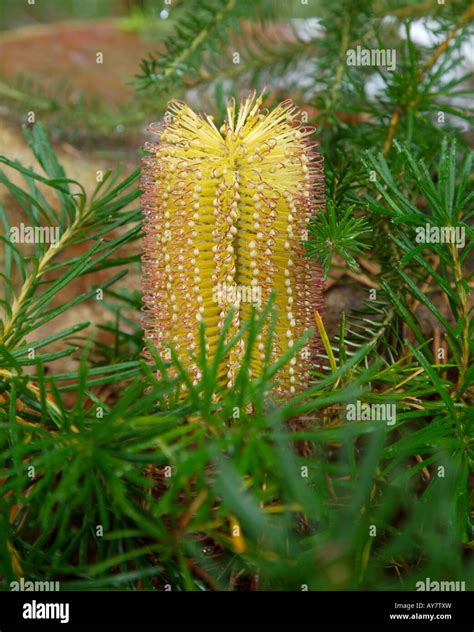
pixel 33 277
pixel 459 278
pixel 430 62
pixel 342 61
pixel 198 40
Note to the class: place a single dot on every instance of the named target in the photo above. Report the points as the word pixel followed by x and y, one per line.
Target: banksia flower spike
pixel 226 213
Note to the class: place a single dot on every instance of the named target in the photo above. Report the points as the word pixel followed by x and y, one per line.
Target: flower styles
pixel 226 212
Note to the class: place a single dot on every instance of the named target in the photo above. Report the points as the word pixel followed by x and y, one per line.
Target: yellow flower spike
pixel 226 213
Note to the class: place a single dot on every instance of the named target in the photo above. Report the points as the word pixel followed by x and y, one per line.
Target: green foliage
pixel 114 477
pixel 341 233
pixel 79 220
pixel 184 48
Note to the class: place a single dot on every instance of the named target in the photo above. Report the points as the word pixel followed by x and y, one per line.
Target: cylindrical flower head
pixel 226 213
